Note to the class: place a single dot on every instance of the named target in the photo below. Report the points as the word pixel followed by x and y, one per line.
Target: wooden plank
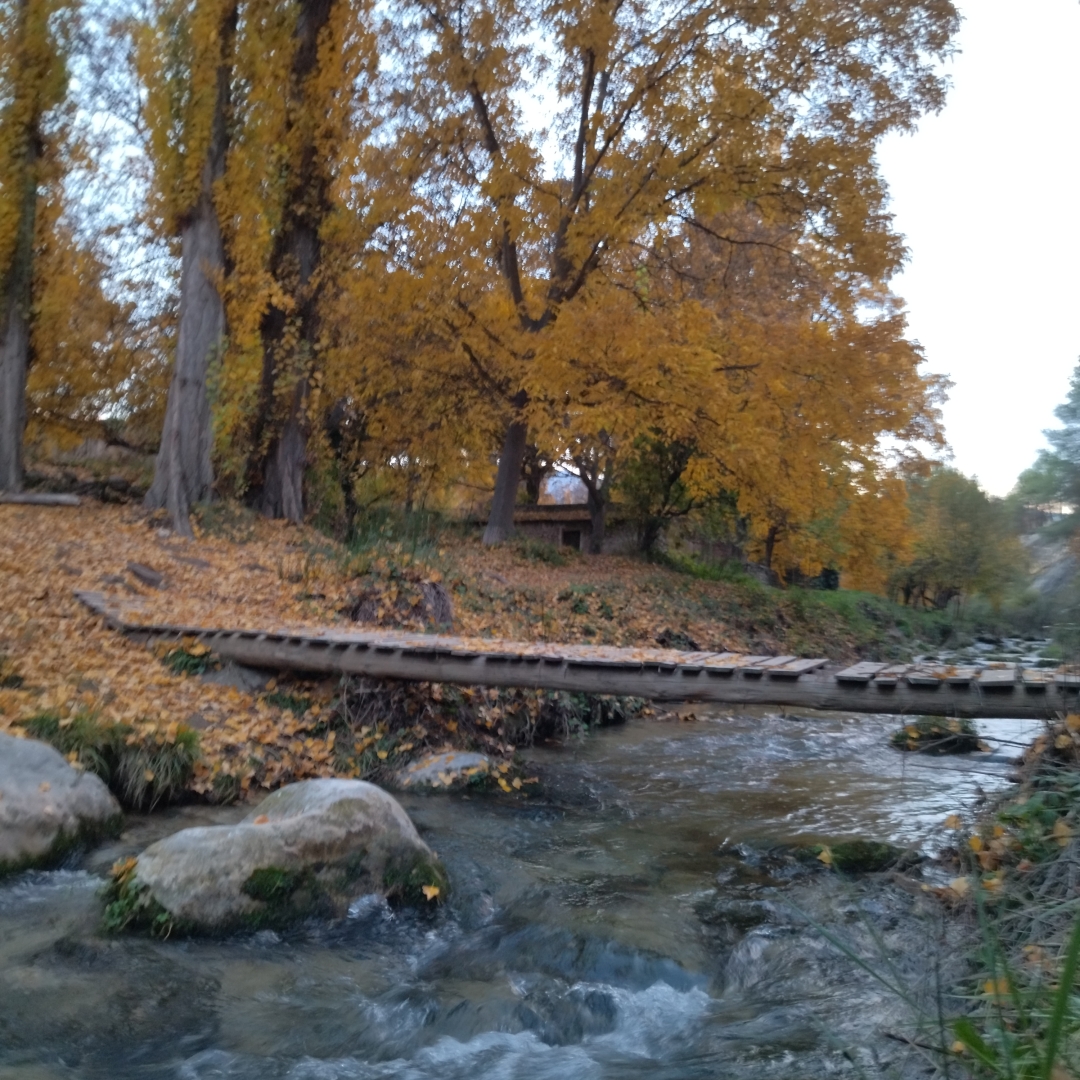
pixel 997 677
pixel 890 676
pixel 860 673
pixel 751 667
pixel 796 668
pixel 925 676
pixel 1037 679
pixel 961 676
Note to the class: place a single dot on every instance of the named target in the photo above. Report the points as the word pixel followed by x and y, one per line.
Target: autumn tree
pixel 964 543
pixel 185 63
pixel 657 116
pixel 33 84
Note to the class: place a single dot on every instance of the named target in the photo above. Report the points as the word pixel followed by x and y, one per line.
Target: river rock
pixel 47 807
pixel 310 848
pixel 444 770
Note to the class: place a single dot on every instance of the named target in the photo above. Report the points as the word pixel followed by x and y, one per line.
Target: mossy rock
pixel 419 881
pixel 48 809
pixel 858 856
pixel 308 850
pixel 937 735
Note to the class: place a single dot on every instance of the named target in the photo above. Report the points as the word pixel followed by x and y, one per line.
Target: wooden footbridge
pixel 997 690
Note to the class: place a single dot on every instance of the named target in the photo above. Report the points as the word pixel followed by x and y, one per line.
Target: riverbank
pixel 59 663
pixel 643 914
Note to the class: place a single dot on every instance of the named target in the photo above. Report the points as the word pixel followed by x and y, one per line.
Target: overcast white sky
pixel 988 195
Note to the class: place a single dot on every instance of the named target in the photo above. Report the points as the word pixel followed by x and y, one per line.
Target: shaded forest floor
pixel 242 571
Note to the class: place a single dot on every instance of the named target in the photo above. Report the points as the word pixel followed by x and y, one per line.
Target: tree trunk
pixel 770 546
pixel 283 488
pixel 500 526
pixel 534 470
pixel 597 502
pixel 279 491
pixel 16 286
pixel 14 350
pixel 183 473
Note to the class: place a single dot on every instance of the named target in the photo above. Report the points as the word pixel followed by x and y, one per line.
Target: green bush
pixel 542 551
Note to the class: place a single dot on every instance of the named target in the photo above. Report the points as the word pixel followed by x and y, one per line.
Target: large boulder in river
pixel 47 807
pixel 310 848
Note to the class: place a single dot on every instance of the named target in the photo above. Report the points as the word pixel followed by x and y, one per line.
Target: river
pixel 636 917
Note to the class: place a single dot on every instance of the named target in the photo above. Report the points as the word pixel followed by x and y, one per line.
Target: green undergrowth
pixel 144 767
pixel 810 620
pixel 129 905
pixel 1022 858
pixel 1012 1010
pixel 540 551
pixel 193 659
pixel 392 531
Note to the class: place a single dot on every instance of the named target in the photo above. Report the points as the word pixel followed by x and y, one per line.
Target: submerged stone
pixel 860 856
pixel 310 848
pixel 452 769
pixel 938 735
pixel 47 807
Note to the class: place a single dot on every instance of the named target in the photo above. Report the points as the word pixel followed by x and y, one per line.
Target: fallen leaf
pixel 961 886
pixel 952 822
pixel 825 856
pixel 262 819
pixel 430 891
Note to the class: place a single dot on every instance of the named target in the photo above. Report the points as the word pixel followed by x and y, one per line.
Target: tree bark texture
pixel 183 472
pixel 14 350
pixel 500 526
pixel 279 487
pixel 16 285
pixel 597 501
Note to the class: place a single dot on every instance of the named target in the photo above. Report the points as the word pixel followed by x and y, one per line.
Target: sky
pixel 987 193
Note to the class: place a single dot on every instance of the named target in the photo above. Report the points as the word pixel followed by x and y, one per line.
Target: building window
pixel 571 538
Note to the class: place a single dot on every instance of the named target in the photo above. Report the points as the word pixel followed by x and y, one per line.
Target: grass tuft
pixel 144 767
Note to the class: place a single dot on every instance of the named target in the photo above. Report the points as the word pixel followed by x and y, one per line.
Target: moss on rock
pixel 130 905
pixel 417 880
pixel 858 856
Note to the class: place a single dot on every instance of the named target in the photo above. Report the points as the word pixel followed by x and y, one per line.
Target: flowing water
pixel 636 917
